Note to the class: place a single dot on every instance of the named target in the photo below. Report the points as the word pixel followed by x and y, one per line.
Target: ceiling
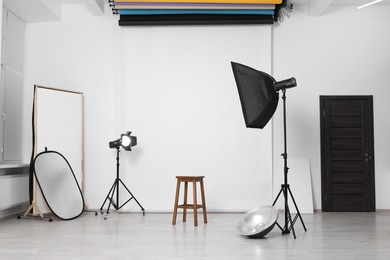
pixel 319 7
pixel 341 2
pixel 32 11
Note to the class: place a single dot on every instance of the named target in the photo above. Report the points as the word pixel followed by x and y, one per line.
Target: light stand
pixel 259 95
pixel 126 141
pixel 285 188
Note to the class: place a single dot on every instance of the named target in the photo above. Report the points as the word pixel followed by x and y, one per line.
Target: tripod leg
pixel 277 197
pixel 273 204
pixel 296 207
pixel 286 210
pixel 107 197
pixel 287 228
pixel 132 196
pixel 112 197
pixel 29 209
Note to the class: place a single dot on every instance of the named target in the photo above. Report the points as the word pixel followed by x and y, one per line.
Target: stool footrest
pixel 189 206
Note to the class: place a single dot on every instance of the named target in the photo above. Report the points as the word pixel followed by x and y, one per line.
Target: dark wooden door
pixel 347 153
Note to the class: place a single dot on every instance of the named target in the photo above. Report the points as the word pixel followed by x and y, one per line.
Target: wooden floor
pixel 133 236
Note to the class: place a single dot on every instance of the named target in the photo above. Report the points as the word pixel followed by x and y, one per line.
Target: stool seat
pixel 194 205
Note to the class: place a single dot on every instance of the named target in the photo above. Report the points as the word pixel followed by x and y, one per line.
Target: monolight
pixel 259 95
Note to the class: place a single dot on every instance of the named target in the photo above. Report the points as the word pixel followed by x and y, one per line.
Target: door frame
pixel 370 148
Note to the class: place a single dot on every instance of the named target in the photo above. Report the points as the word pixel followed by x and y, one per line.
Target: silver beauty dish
pixel 258 222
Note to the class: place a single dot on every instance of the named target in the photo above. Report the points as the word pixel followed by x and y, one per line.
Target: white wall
pixel 1 25
pixel 79 54
pixel 341 52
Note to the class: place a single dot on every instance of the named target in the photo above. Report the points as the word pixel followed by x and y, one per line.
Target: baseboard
pixel 377 210
pixel 383 210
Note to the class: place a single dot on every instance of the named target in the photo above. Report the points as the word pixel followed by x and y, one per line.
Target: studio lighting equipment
pixel 258 222
pixel 126 141
pixel 259 95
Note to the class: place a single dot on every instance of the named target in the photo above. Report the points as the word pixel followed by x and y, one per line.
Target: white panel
pixel 2 26
pixel 13 190
pixel 2 91
pixel 14 49
pixel 299 179
pixel 2 80
pixel 13 92
pixel 59 128
pixel 180 99
pixel 13 100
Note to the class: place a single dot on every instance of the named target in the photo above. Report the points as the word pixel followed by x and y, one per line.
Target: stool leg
pixel 195 205
pixel 185 202
pixel 203 202
pixel 176 202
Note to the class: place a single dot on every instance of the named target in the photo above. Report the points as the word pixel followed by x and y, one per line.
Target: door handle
pixel 367 157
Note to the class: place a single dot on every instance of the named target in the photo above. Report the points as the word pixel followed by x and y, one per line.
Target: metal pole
pixel 117 177
pixel 286 209
pixel 286 187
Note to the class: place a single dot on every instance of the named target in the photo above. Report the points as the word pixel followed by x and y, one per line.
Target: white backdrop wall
pixel 180 98
pixel 131 78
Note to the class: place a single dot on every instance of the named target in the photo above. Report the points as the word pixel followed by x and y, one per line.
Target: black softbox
pixel 258 96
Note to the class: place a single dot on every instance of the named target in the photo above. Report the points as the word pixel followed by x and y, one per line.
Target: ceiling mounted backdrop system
pixel 191 12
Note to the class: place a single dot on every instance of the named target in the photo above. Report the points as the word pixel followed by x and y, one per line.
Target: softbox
pixel 258 96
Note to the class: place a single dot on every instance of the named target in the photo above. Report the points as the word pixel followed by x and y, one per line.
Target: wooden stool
pixel 185 206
